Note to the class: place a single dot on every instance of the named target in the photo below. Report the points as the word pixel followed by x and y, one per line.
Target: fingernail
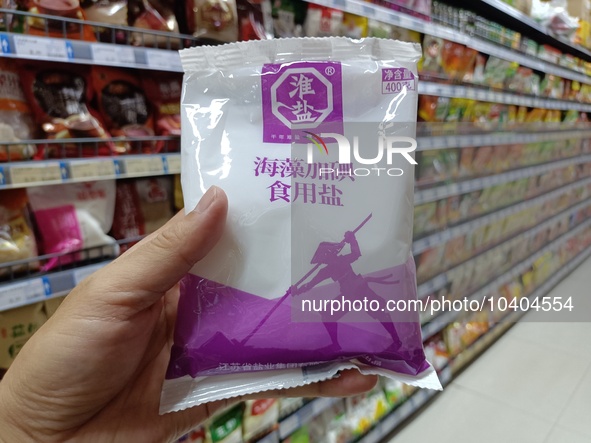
pixel 207 199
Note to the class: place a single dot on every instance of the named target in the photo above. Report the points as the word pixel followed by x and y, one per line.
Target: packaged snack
pixel 322 21
pixel 259 416
pixel 499 72
pixel 16 120
pixel 226 427
pixel 378 29
pixel 302 435
pixel 405 35
pixel 289 405
pixel 255 19
pixel 73 217
pixel 16 327
pixel 289 17
pixel 17 240
pixel 110 12
pixel 293 86
pixel 124 107
pixel 59 96
pixel 34 25
pixel 142 206
pixel 213 21
pixel 153 15
pixel 6 19
pixel 354 26
pixel 432 56
pixel 163 91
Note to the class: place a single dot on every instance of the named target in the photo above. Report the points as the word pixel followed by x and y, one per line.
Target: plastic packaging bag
pixel 17 241
pixel 16 120
pixel 240 328
pixel 73 217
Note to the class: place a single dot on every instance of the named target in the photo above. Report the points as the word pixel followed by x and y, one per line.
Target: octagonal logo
pixel 299 96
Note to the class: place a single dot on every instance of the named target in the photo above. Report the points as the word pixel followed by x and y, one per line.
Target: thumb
pixel 140 277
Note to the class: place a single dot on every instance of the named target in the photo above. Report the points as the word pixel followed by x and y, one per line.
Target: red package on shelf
pixel 124 107
pixel 59 96
pixel 67 9
pixel 163 91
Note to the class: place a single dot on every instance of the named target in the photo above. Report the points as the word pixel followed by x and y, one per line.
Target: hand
pixel 94 371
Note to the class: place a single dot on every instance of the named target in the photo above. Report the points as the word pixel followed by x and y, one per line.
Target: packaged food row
pixel 62 219
pixel 465 279
pixel 444 256
pixel 470 23
pixel 438 215
pixel 452 61
pixel 445 116
pixel 441 165
pixel 346 420
pixel 57 101
pixel 459 335
pixel 217 20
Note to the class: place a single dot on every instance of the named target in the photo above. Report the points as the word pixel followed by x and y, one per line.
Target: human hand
pixel 94 371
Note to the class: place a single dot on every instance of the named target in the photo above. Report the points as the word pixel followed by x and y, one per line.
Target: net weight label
pixel 396 80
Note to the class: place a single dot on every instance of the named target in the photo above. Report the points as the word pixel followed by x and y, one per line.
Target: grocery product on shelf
pixel 16 327
pixel 74 217
pixel 124 107
pixel 214 21
pixel 17 240
pixel 255 20
pixel 155 15
pixel 260 416
pixel 163 91
pixel 36 25
pixel 288 17
pixel 16 120
pixel 142 206
pixel 110 12
pixel 322 21
pixel 60 97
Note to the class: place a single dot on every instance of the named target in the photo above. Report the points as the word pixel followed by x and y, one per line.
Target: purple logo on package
pixel 301 96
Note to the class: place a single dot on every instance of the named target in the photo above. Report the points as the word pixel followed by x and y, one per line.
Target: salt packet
pixel 312 140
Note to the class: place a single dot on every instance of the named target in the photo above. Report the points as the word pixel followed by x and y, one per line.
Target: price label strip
pixel 43 48
pixel 24 293
pixel 173 163
pixel 144 166
pixel 107 55
pixel 42 173
pixel 92 169
pixel 163 60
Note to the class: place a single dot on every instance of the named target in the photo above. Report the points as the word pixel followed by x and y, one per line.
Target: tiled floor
pixel 533 385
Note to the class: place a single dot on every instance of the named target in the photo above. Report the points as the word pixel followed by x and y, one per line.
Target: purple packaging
pixel 315 265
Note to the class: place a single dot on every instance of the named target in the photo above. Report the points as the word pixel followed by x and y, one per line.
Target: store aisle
pixel 532 386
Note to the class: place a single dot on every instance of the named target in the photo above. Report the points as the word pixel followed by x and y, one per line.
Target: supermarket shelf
pixel 448 373
pixel 497 139
pixel 48 172
pixel 441 280
pixel 445 235
pixel 34 290
pixel 441 321
pixel 441 192
pixel 526 25
pixel 485 94
pixel 304 415
pixel 402 20
pixel 411 405
pixel 78 51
